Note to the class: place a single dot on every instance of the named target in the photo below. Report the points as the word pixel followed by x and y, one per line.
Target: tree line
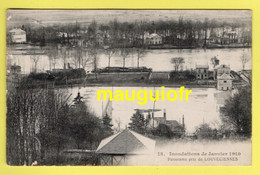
pixel 181 32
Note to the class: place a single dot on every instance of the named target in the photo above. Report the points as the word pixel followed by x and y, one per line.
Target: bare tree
pixel 52 55
pixel 214 61
pixel 93 45
pixel 177 61
pixel 109 52
pixel 35 58
pixel 205 28
pixel 244 59
pixel 85 58
pixel 93 53
pixel 117 128
pixel 64 54
pixel 31 116
pixel 125 52
pixel 77 57
pixel 141 52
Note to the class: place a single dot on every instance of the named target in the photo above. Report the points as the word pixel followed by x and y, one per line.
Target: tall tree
pixel 109 52
pixel 84 126
pixel 52 55
pixel 93 45
pixel 140 52
pixel 125 52
pixel 244 59
pixel 237 112
pixel 214 61
pixel 177 62
pixel 35 122
pixel 107 126
pixel 205 28
pixel 35 59
pixel 138 123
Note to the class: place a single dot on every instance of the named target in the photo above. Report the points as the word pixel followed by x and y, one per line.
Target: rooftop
pixel 17 31
pixel 225 77
pixel 222 66
pixel 154 35
pixel 202 66
pixel 126 142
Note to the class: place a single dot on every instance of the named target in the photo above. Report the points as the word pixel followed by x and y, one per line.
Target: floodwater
pixel 203 105
pixel 158 60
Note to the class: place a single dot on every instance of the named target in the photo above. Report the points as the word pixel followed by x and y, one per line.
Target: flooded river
pixel 203 105
pixel 158 60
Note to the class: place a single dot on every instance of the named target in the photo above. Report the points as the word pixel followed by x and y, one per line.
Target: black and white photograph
pixel 128 87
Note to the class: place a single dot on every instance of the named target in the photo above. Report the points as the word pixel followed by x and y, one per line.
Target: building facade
pixel 153 39
pixel 224 82
pixel 18 36
pixel 221 69
pixel 202 72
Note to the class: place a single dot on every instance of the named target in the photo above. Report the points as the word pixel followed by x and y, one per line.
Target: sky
pixel 86 16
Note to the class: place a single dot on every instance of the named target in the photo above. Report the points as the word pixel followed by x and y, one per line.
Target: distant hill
pixel 84 17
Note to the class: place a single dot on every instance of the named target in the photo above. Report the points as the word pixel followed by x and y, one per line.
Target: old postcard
pixel 129 87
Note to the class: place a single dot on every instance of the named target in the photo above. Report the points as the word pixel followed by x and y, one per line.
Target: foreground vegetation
pixel 41 123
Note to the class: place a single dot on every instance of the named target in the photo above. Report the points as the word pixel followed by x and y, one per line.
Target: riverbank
pixel 29 46
pixel 99 83
pixel 215 46
pixel 126 79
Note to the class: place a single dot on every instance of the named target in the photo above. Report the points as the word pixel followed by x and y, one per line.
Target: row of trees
pixel 179 32
pixel 79 57
pixel 41 123
pixel 118 33
pixel 83 57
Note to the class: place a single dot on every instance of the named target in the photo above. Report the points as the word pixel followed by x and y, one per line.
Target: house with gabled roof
pixel 224 82
pixel 221 69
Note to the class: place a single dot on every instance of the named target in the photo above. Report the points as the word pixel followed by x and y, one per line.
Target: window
pixel 225 81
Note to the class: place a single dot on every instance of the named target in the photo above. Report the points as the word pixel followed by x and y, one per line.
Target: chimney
pixel 183 125
pixel 153 118
pixel 164 114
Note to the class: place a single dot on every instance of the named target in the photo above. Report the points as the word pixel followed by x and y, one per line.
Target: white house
pixel 221 69
pixel 18 36
pixel 224 82
pixel 153 39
